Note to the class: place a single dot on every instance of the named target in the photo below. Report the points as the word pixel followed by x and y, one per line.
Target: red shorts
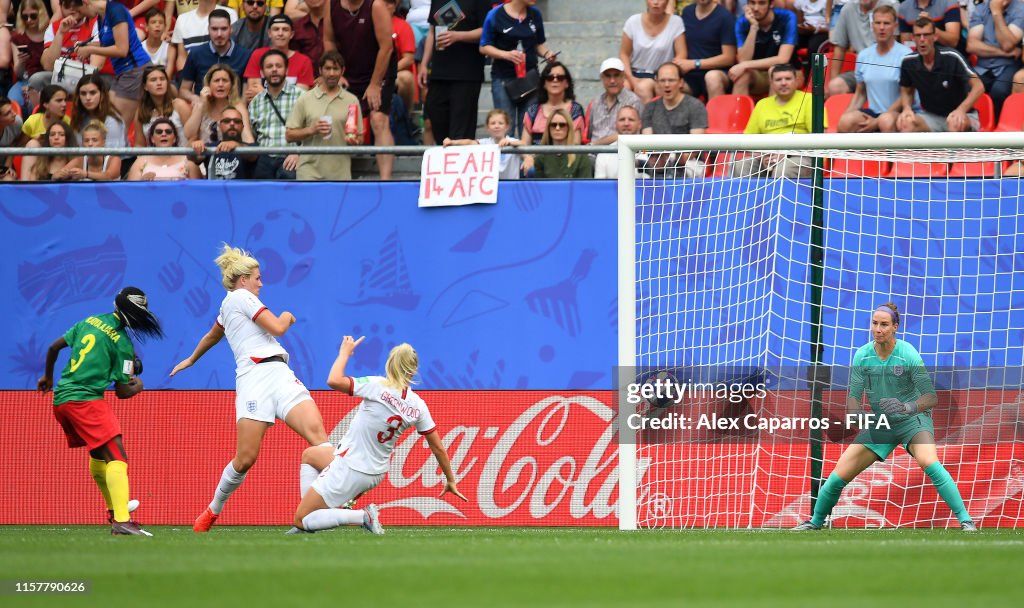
pixel 87 423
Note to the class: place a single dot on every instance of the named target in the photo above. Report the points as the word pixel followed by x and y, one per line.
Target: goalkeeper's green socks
pixel 828 496
pixel 947 489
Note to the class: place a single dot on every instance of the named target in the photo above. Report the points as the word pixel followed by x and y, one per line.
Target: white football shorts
pixel 339 483
pixel 268 391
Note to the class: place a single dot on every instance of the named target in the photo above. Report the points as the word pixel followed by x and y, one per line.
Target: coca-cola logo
pixel 559 453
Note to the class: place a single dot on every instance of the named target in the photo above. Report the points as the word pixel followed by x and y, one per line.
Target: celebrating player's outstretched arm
pixel 359 463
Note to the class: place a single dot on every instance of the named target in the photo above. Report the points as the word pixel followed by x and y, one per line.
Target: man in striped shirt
pixel 269 111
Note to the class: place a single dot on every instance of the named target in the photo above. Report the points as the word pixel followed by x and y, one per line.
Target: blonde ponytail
pixel 402 365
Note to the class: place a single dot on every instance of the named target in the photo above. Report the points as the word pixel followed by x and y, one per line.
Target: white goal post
pixel 718 271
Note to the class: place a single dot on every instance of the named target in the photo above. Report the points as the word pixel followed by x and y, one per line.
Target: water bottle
pixel 521 67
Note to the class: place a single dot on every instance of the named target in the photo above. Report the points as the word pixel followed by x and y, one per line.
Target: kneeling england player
pixel 360 461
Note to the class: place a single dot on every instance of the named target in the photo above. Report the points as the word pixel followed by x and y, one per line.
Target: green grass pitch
pixel 483 567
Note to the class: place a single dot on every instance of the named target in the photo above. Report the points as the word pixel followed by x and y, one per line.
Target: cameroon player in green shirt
pixel 892 375
pixel 102 354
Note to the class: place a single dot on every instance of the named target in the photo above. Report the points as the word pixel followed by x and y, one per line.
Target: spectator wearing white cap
pixel 603 110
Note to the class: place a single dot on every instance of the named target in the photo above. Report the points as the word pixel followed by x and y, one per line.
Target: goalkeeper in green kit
pixel 892 374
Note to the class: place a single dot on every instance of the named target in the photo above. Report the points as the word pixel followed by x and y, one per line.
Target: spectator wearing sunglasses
pixel 251 32
pixel 559 131
pixel 163 134
pixel 27 41
pixel 556 93
pixel 227 163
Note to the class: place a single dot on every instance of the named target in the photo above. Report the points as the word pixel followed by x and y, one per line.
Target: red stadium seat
pixel 721 165
pixel 849 62
pixel 1012 116
pixel 986 113
pixel 984 169
pixel 844 167
pixel 834 108
pixel 729 113
pixel 903 169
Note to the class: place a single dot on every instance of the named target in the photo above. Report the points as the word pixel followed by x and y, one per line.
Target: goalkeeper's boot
pixel 968 526
pixel 807 525
pixel 295 530
pixel 349 505
pixel 371 520
pixel 132 505
pixel 127 528
pixel 205 521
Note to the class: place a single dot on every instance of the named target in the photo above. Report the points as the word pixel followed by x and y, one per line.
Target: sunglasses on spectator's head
pixel 163 132
pixel 555 77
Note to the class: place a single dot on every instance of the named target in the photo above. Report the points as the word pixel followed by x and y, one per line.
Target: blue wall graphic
pixel 508 296
pixel 522 294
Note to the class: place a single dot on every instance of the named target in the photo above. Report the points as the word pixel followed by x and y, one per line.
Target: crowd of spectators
pixel 225 75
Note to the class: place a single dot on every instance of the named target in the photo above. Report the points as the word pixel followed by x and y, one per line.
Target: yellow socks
pixel 98 470
pixel 117 486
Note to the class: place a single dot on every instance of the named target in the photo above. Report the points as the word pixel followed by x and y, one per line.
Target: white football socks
pixel 307 475
pixel 324 519
pixel 230 479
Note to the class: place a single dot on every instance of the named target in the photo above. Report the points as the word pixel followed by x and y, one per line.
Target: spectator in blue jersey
pixel 772 42
pixel 944 83
pixel 513 34
pixel 220 49
pixel 878 78
pixel 710 48
pixel 118 42
pixel 994 36
pixel 945 14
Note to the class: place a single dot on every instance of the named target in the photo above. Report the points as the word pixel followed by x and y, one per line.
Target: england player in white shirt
pixel 266 389
pixel 361 460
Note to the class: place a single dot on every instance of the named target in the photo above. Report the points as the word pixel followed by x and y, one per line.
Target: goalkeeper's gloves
pixel 895 406
pixel 136 366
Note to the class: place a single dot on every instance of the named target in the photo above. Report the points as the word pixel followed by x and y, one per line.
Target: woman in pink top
pixel 163 134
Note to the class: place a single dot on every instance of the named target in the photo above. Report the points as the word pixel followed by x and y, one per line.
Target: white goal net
pixel 737 258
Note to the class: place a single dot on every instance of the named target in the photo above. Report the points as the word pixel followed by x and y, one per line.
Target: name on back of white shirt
pixel 399 405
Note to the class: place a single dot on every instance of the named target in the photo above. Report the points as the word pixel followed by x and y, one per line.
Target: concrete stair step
pixel 599 30
pixel 588 10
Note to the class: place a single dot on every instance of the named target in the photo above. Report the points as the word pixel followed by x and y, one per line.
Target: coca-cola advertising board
pixel 524 458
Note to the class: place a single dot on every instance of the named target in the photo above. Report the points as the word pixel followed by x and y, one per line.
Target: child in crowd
pixel 498 124
pixel 92 168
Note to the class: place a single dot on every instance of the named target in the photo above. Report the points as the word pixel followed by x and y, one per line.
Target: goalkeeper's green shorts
pixel 883 441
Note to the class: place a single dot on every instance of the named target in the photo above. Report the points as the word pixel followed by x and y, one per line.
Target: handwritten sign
pixel 459 176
